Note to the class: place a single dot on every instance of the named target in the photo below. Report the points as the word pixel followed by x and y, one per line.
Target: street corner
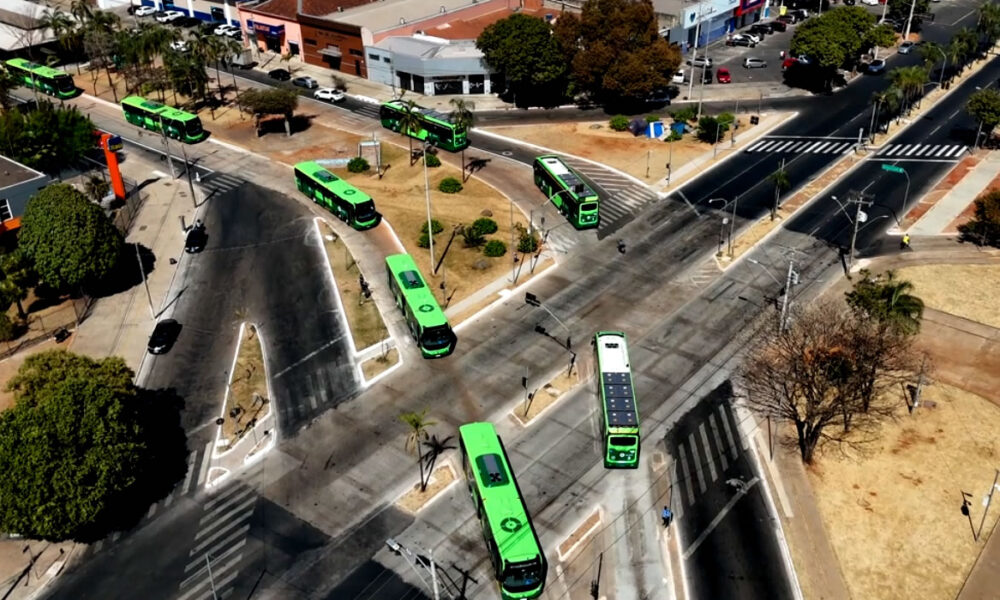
pixel 28 567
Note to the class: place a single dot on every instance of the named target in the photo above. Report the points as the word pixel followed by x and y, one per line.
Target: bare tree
pixel 830 375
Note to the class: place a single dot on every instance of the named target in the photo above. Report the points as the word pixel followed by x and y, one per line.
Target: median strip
pixel 247 402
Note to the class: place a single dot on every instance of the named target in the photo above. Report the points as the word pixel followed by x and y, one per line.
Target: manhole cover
pixel 507 153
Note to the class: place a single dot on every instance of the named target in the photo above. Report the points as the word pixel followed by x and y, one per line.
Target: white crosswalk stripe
pixel 800 146
pixel 922 151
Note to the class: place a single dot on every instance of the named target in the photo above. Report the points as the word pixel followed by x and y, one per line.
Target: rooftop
pixel 19 25
pixel 469 29
pixel 427 47
pixel 13 173
pixel 391 13
pixel 287 9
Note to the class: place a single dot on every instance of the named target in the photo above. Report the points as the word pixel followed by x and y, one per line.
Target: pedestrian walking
pixel 905 243
pixel 782 55
pixel 667 517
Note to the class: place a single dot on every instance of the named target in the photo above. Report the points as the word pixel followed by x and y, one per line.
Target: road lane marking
pixel 718 518
pixel 729 433
pixel 205 461
pixel 687 473
pixel 696 461
pixel 718 441
pixel 708 451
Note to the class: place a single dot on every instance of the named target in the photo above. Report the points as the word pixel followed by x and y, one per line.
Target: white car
pixel 870 2
pixel 752 36
pixel 226 29
pixel 144 11
pixel 169 16
pixel 678 77
pixel 179 46
pixel 329 94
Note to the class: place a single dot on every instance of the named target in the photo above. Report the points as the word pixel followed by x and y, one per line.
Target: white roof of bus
pixel 556 165
pixel 613 360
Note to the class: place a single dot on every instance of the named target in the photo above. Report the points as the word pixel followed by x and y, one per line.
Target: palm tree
pixel 418 423
pixel 231 48
pixel 781 183
pixel 909 80
pixel 409 123
pixel 61 24
pixel 462 117
pixel 887 103
pixel 96 188
pixel 7 85
pixel 888 300
pixel 98 35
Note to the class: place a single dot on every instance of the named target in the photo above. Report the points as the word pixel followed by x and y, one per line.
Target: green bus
pixel 567 190
pixel 435 127
pixel 350 204
pixel 620 427
pixel 423 314
pixel 154 116
pixel 51 81
pixel 518 560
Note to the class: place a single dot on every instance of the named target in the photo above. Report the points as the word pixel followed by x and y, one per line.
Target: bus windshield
pixel 439 336
pixel 620 440
pixel 364 211
pixel 64 83
pixel 193 127
pixel 588 207
pixel 522 576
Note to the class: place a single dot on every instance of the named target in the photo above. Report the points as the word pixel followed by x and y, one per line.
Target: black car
pixel 196 238
pixel 849 2
pixel 163 337
pixel 279 74
pixel 186 22
pixel 761 28
pixel 707 74
pixel 777 25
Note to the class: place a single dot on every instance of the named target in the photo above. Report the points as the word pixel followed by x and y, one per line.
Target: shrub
pixel 984 227
pixel 450 185
pixel 472 237
pixel 358 165
pixel 432 160
pixel 424 241
pixel 619 123
pixel 495 248
pixel 652 118
pixel 711 129
pixel 674 136
pixel 9 329
pixel 685 114
pixel 436 227
pixel 485 226
pixel 528 242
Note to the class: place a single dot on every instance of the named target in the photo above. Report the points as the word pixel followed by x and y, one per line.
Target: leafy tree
pixel 712 129
pixel 888 300
pixel 988 24
pixel 781 183
pixel 621 57
pixel 834 39
pixel 523 48
pixel 984 227
pixel 69 240
pixel 16 276
pixel 887 104
pixel 882 36
pixel 7 85
pixel 48 138
pixel 485 225
pixel 418 424
pixel 96 188
pixel 899 10
pixel 77 448
pixel 98 34
pixel 962 48
pixel 271 101
pixel 187 74
pixel 463 118
pixel 910 81
pixel 409 122
pixel 495 248
pixel 984 106
pixel 472 237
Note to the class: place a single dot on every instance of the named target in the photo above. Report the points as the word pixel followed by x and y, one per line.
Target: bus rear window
pixel 619 440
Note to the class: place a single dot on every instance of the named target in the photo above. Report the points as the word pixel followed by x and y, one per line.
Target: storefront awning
pixel 333 51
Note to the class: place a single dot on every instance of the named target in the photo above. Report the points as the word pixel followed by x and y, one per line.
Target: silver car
pixel 754 63
pixel 701 61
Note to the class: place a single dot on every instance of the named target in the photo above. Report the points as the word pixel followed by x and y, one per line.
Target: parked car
pixel 801 14
pixel 211 26
pixel 706 74
pixel 279 74
pixel 876 67
pixel 870 2
pixel 179 46
pixel 163 337
pixel 145 11
pixel 659 96
pixel 700 61
pixel 906 47
pixel 225 29
pixel 678 77
pixel 761 29
pixel 787 18
pixel 753 36
pixel 741 40
pixel 306 82
pixel 329 94
pixel 723 75
pixel 168 16
pixel 754 63
pixel 187 22
pixel 777 25
pixel 237 35
pixel 849 2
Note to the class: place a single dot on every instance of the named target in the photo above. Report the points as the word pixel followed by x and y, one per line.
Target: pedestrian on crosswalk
pixel 905 242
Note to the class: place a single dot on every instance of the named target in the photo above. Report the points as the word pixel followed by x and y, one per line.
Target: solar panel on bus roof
pixel 619 400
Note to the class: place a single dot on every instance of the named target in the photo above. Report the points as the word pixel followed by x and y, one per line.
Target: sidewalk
pixel 949 209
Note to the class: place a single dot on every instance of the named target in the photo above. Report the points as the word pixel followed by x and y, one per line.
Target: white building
pixel 430 65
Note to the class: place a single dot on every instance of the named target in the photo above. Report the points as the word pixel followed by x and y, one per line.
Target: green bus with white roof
pixel 620 426
pixel 435 127
pixel 424 316
pixel 350 204
pixel 567 191
pixel 50 81
pixel 154 116
pixel 519 564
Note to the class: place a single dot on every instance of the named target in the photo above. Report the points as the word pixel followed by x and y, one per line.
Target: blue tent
pixel 654 130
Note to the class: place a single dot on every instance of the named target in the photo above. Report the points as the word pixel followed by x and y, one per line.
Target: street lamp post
pixel 722 222
pixel 732 225
pixel 944 65
pixel 531 213
pixel 427 196
pixel 532 300
pixel 909 20
pixel 906 193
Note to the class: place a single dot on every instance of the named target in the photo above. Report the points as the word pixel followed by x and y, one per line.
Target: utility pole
pixel 859 216
pixel 791 279
pixel 732 225
pixel 427 197
pixel 694 54
pixel 413 560
pixel 187 169
pixel 909 20
pixel 166 147
pixel 142 271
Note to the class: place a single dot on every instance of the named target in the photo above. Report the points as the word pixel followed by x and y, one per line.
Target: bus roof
pixel 557 167
pixel 418 294
pixel 616 380
pixel 40 70
pixel 508 517
pixel 152 106
pixel 430 113
pixel 335 184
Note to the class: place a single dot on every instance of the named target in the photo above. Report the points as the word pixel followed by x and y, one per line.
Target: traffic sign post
pixel 906 194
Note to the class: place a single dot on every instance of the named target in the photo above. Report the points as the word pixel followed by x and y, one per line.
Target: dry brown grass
pixel 399 196
pixel 967 291
pixel 893 515
pixel 247 389
pixel 617 149
pixel 374 366
pixel 413 500
pixel 547 395
pixel 363 316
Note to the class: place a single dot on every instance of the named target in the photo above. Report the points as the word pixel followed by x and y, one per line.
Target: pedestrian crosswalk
pixel 219 183
pixel 704 455
pixel 311 392
pixel 786 145
pixel 622 198
pixel 223 529
pixel 368 110
pixel 949 152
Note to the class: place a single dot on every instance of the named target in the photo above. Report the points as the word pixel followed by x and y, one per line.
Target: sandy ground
pixel 968 291
pixel 248 381
pixel 641 157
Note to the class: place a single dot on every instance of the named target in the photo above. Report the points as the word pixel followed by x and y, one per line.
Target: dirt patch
pixel 579 534
pixel 892 514
pixel 247 402
pixel 363 316
pixel 399 196
pixel 547 395
pixel 413 500
pixel 967 291
pixel 621 150
pixel 374 366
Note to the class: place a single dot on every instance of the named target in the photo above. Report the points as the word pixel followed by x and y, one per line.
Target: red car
pixel 723 75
